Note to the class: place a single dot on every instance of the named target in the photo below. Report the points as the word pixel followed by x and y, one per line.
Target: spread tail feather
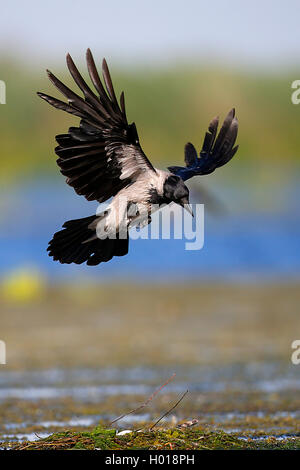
pixel 70 244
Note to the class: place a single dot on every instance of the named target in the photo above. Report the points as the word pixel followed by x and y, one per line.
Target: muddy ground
pixel 80 356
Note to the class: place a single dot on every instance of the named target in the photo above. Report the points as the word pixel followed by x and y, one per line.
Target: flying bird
pixel 103 159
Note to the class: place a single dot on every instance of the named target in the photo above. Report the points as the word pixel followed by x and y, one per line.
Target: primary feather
pixel 216 150
pixel 102 155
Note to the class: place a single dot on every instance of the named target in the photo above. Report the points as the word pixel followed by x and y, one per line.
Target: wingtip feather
pixel 69 60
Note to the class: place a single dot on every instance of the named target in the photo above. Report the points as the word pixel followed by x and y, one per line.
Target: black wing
pixel 103 154
pixel 215 152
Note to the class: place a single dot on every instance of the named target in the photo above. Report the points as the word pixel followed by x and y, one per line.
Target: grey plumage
pixel 103 158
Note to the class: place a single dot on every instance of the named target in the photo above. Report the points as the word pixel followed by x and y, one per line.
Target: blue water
pixel 243 244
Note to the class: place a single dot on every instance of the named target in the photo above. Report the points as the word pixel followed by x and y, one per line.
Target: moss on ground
pixel 164 439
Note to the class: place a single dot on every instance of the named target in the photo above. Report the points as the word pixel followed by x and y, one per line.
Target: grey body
pixel 132 205
pixel 102 159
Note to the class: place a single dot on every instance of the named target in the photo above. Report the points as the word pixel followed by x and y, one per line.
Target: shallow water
pixel 36 403
pixel 94 384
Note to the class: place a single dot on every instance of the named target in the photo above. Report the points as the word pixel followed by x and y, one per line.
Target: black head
pixel 175 190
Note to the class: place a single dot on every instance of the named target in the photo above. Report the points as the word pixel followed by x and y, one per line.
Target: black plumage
pixel 215 152
pixel 69 245
pixel 102 158
pixel 94 147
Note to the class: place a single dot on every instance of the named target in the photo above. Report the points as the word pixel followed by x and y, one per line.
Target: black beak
pixel 184 202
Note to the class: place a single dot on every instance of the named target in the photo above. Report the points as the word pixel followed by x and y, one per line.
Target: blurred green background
pixel 170 104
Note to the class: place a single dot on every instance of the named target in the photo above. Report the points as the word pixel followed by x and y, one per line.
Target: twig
pixel 147 401
pixel 169 411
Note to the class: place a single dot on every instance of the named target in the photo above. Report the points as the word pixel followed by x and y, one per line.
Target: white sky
pixel 249 32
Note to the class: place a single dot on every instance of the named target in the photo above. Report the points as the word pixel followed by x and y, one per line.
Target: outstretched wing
pixel 103 154
pixel 215 152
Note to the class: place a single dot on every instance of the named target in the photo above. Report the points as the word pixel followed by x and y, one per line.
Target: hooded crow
pixel 103 159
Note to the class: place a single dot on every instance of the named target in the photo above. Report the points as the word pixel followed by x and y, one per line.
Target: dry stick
pixel 169 411
pixel 147 401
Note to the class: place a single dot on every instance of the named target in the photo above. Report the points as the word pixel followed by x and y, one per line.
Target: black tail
pixel 67 245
